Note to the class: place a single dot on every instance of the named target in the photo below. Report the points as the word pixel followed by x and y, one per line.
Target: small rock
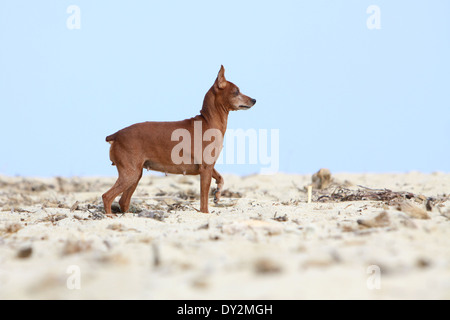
pixel 159 215
pixel 413 211
pixel 116 227
pixel 267 266
pixel 24 252
pixel 74 206
pixel 12 227
pixel 75 246
pixel 321 179
pixel 281 218
pixel 381 220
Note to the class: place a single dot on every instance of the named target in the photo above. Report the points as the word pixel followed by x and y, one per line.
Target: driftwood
pixel 341 194
pixel 345 194
pixel 326 189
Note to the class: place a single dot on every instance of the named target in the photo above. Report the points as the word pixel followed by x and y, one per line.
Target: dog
pixel 156 146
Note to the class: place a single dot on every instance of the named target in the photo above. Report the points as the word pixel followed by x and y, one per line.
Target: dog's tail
pixel 111 138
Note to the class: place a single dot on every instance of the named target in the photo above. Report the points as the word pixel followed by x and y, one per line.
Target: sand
pixel 263 240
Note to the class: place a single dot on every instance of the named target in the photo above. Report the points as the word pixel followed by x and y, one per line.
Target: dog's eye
pixel 236 92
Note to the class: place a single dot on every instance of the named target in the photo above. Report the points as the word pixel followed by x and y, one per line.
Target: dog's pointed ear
pixel 221 81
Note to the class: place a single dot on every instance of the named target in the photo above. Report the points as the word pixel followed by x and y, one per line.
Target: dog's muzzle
pixel 242 107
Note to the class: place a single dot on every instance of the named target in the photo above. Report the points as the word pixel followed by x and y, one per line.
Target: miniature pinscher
pixel 156 145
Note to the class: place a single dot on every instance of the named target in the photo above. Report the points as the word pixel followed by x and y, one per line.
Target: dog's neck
pixel 214 112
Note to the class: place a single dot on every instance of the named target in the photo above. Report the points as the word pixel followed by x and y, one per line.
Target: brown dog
pixel 156 146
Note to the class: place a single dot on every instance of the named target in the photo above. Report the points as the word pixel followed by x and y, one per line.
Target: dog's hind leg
pixel 109 196
pixel 219 181
pixel 127 178
pixel 125 200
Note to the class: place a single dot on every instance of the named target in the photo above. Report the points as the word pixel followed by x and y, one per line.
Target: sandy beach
pixel 262 241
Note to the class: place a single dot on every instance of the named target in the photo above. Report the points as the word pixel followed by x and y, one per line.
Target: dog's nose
pixel 253 101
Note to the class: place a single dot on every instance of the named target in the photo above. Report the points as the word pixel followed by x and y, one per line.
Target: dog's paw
pixel 216 196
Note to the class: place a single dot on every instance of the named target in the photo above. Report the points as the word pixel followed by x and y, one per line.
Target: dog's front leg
pixel 219 181
pixel 205 183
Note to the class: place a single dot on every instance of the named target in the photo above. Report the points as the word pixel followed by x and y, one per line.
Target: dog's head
pixel 229 95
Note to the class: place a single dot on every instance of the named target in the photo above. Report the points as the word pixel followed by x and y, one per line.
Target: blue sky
pixel 341 95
